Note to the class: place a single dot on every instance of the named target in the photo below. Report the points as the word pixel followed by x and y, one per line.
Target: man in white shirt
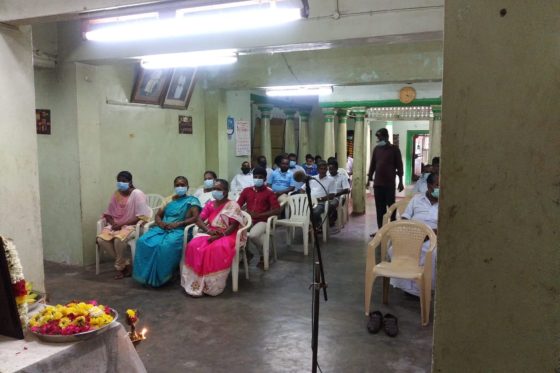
pixel 341 187
pixel 422 207
pixel 421 185
pixel 323 189
pixel 242 180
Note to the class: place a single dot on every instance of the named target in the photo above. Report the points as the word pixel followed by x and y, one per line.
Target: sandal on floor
pixel 391 325
pixel 126 272
pixel 375 322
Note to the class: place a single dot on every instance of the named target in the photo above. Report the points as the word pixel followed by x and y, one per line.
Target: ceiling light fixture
pixel 196 24
pixel 190 59
pixel 301 90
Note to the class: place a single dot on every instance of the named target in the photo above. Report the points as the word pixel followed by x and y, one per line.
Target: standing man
pixel 386 163
pixel 261 203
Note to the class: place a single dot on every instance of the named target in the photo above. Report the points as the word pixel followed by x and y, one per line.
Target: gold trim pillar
pixel 303 134
pixel 328 145
pixel 358 172
pixel 341 146
pixel 289 131
pixel 266 141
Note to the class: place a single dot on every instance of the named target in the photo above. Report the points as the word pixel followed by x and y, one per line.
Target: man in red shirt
pixel 261 203
pixel 386 163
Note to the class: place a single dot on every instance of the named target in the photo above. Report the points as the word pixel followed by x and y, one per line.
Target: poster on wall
pixel 242 138
pixel 180 89
pixel 43 121
pixel 185 125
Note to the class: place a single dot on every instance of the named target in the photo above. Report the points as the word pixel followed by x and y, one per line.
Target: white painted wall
pixel 20 211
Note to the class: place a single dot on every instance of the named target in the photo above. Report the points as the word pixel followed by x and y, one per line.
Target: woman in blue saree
pixel 159 250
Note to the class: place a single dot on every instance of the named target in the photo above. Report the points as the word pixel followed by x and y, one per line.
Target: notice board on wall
pixel 242 138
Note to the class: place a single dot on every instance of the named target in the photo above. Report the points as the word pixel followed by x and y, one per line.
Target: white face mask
pixel 381 143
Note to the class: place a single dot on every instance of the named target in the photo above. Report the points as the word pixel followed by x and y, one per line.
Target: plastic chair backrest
pixel 154 201
pixel 399 206
pixel 407 238
pixel 299 207
pixel 343 171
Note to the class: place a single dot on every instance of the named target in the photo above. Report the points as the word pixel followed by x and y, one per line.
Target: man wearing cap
pixel 386 163
pixel 261 203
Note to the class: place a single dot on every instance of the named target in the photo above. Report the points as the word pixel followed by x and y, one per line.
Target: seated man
pixel 322 188
pixel 261 203
pixel 294 167
pixel 341 187
pixel 424 208
pixel 261 162
pixel 281 180
pixel 309 166
pixel 242 180
pixel 421 185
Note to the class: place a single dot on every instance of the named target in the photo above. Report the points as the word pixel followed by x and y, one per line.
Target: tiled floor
pixel 266 326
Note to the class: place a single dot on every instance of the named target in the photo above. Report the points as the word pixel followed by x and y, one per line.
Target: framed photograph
pixel 180 88
pixel 185 125
pixel 150 86
pixel 43 121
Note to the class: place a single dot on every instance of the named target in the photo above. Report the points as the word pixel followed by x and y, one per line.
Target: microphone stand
pixel 318 280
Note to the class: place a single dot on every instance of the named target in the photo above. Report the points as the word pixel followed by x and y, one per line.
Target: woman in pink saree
pixel 209 255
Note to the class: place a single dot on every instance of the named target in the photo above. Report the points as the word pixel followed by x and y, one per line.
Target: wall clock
pixel 407 95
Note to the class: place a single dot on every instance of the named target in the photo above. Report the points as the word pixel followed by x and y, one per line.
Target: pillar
pixel 341 148
pixel 435 133
pixel 266 142
pixel 358 179
pixel 328 145
pixel 303 134
pixel 289 132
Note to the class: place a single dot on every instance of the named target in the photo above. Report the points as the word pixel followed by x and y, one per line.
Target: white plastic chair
pixel 406 238
pixel 299 218
pixel 239 248
pixel 101 223
pixel 324 219
pixel 154 201
pixel 342 211
pixel 399 207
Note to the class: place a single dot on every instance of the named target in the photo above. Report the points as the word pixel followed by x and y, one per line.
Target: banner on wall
pixel 242 138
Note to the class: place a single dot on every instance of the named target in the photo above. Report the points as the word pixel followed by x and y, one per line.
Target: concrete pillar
pixel 341 148
pixel 496 307
pixel 289 131
pixel 266 142
pixel 435 133
pixel 358 180
pixel 303 134
pixel 328 145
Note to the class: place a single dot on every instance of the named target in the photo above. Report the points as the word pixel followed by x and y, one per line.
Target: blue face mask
pixel 181 191
pixel 258 182
pixel 208 184
pixel 381 143
pixel 218 195
pixel 122 186
pixel 435 193
pixel 292 164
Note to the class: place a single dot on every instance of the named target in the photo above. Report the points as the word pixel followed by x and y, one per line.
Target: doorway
pixel 417 154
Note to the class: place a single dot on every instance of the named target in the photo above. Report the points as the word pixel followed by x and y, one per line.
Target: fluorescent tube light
pixel 192 24
pixel 304 90
pixel 190 59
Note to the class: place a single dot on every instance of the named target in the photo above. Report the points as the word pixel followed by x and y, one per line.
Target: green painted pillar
pixel 289 131
pixel 341 148
pixel 358 179
pixel 303 134
pixel 266 142
pixel 435 132
pixel 328 145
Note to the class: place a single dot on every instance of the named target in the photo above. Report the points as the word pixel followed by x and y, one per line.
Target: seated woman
pixel 204 193
pixel 209 255
pixel 126 208
pixel 158 251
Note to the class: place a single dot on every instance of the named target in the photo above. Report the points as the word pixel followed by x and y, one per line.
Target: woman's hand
pixel 116 227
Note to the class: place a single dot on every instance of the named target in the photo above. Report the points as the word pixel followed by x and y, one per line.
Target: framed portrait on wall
pixel 150 86
pixel 43 121
pixel 180 88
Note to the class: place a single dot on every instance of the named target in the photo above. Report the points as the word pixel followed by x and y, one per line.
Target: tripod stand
pixel 318 280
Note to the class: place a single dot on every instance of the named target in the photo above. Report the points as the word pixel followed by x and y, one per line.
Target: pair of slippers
pixel 389 323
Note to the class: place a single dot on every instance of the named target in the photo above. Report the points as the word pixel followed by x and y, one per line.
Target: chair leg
pixel 325 230
pixel 235 272
pixel 427 302
pixel 97 258
pixel 420 284
pixel 386 282
pixel 245 264
pixel 370 279
pixel 305 240
pixel 266 251
pixel 271 241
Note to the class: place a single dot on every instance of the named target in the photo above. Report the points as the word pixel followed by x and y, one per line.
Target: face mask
pixel 426 174
pixel 208 183
pixel 435 193
pixel 245 170
pixel 218 195
pixel 292 164
pixel 381 143
pixel 258 182
pixel 181 191
pixel 122 186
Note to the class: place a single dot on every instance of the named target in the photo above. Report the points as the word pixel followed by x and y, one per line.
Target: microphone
pixel 300 176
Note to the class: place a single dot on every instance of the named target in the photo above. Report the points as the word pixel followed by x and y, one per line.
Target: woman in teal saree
pixel 159 250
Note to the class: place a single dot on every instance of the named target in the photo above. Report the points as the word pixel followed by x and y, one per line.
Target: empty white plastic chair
pixel 299 218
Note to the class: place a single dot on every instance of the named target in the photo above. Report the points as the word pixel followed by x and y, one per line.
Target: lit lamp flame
pixel 143 333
